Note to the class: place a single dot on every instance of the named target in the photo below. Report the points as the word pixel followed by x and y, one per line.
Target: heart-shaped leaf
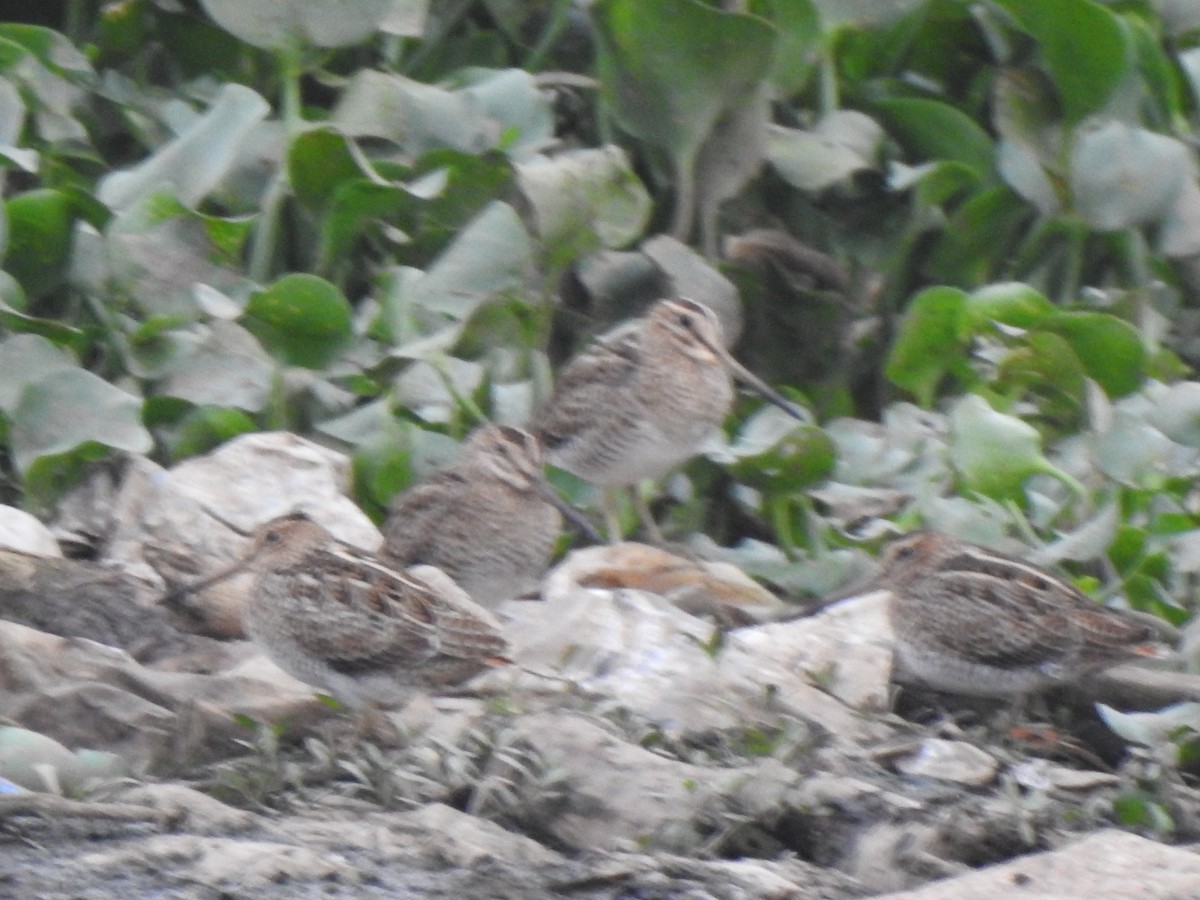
pixel 302 319
pixel 69 408
pixel 930 342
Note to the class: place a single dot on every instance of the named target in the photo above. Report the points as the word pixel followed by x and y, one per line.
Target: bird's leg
pixel 612 520
pixel 652 533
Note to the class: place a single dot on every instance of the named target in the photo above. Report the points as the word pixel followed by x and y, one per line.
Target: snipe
pixel 489 522
pixel 644 399
pixel 974 622
pixel 340 620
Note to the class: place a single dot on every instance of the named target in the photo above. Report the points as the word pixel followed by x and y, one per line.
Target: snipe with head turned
pixel 490 522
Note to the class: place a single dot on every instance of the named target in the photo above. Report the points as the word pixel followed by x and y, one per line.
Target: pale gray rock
pixel 229 864
pixel 86 694
pixel 1107 865
pixel 453 838
pixel 667 875
pixel 21 531
pixel 1043 775
pixel 189 810
pixel 256 477
pixel 638 651
pixel 613 795
pixel 945 760
pixel 249 480
pixel 847 649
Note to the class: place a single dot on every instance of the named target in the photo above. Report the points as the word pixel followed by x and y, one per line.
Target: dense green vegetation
pixel 376 221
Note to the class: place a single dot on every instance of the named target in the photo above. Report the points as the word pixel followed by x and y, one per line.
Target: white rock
pixel 464 841
pixel 191 810
pixel 21 531
pixel 1041 775
pixel 220 862
pixel 616 795
pixel 1107 865
pixel 847 648
pixel 944 760
pixel 639 651
pixel 87 694
pixel 256 477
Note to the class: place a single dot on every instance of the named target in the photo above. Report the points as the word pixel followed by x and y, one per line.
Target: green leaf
pixel 1180 234
pixel 995 453
pixel 357 208
pixel 319 162
pixel 159 251
pixel 302 319
pixel 843 143
pixel 583 200
pixel 53 50
pixel 489 260
pixel 1029 154
pixel 1123 176
pixel 1157 70
pixel 1176 412
pixel 204 428
pixel 1130 451
pixel 937 183
pixel 1024 173
pixel 930 129
pixel 1047 364
pixel 513 101
pixel 803 458
pixel 194 163
pixel 12 121
pixel 418 117
pixel 25 359
pixel 670 70
pixel 12 295
pixel 1111 350
pixel 930 343
pixel 68 409
pixel 22 323
pixel 283 24
pixel 220 365
pixel 1008 302
pixel 978 238
pixel 40 236
pixel 796 50
pixel 1085 48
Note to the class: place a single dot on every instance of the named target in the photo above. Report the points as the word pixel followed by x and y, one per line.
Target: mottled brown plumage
pixel 338 619
pixel 976 622
pixel 489 522
pixel 644 399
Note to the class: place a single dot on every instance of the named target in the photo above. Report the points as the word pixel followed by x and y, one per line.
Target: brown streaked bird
pixel 490 522
pixel 979 623
pixel 644 399
pixel 338 619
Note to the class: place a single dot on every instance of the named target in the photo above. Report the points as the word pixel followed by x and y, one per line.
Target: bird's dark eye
pixel 273 537
pixel 685 320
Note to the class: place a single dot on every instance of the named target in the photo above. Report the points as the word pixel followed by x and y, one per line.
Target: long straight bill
pixel 744 375
pixel 571 513
pixel 176 594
